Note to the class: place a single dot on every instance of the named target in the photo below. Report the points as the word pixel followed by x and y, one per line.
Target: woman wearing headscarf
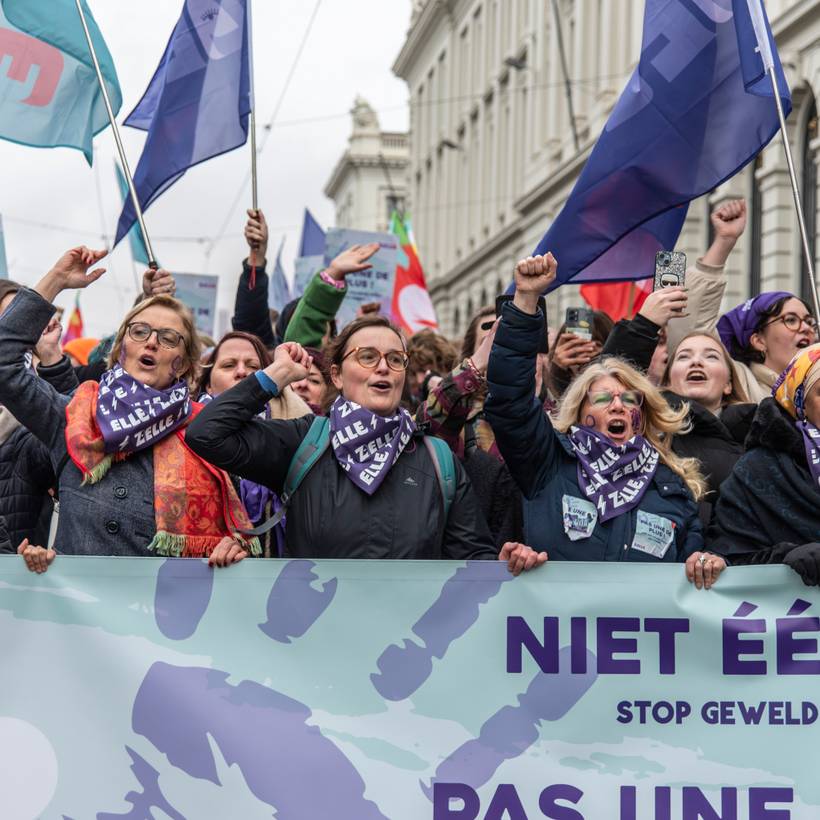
pixel 374 467
pixel 769 508
pixel 127 483
pixel 601 482
pixel 763 335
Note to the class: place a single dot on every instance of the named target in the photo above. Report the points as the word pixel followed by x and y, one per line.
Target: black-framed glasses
pixel 794 322
pixel 604 398
pixel 370 357
pixel 166 336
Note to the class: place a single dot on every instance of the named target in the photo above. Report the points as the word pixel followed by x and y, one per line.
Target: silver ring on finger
pixel 702 559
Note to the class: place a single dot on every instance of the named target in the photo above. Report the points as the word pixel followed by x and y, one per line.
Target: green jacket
pixel 317 307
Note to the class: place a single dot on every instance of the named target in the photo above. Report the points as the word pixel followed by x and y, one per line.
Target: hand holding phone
pixel 670 269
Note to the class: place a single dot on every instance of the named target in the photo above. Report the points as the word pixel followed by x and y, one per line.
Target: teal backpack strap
pixel 307 454
pixel 445 467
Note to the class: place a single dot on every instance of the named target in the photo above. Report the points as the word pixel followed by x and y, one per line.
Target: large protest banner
pixel 405 690
pixel 372 285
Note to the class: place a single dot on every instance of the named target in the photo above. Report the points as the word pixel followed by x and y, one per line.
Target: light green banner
pixel 140 688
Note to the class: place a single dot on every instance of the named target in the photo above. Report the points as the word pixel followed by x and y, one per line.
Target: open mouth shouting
pixel 381 386
pixel 696 376
pixel 147 361
pixel 618 429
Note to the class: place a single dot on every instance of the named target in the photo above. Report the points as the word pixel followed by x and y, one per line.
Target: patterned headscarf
pixel 790 391
pixel 797 379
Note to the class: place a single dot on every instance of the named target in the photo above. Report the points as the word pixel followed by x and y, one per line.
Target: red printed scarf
pixel 195 504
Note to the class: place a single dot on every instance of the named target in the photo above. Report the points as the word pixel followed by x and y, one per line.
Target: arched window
pixel 809 194
pixel 470 309
pixel 755 229
pixel 456 322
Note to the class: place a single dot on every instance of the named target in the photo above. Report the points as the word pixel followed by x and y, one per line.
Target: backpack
pixel 315 443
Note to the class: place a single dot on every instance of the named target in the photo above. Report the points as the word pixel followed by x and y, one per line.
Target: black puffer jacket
pixel 770 497
pixel 715 441
pixel 329 517
pixel 27 474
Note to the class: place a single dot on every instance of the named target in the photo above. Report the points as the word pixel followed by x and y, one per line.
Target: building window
pixel 809 198
pixel 755 230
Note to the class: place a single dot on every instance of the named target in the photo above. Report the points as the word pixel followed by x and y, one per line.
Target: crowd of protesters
pixel 678 435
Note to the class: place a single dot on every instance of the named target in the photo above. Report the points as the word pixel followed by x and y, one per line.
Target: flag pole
pixel 761 32
pixel 252 128
pixel 152 262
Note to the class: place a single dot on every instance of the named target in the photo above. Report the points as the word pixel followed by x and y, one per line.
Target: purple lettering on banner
pixel 628 803
pixel 734 646
pixel 287 763
pixel 505 804
pixel 513 729
pixel 151 796
pixel 545 653
pixel 759 796
pixel 578 642
pixel 294 604
pixel 547 802
pixel 443 793
pixel 696 805
pixel 667 629
pixel 608 645
pixel 403 669
pixel 663 803
pixel 182 595
pixel 788 646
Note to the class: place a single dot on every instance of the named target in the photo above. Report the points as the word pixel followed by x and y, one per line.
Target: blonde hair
pixel 659 421
pixel 738 394
pixel 190 338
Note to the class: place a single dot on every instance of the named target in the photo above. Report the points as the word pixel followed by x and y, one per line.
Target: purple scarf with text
pixel 366 445
pixel 132 416
pixel 811 443
pixel 613 476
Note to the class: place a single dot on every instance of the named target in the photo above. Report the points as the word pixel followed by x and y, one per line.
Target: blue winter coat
pixel 544 465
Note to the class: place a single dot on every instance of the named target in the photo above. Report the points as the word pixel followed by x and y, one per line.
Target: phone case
pixel 579 322
pixel 670 269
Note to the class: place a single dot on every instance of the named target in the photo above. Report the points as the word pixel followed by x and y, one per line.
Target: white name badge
pixel 580 517
pixel 653 534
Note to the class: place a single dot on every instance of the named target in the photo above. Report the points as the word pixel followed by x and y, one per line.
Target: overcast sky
pixel 350 50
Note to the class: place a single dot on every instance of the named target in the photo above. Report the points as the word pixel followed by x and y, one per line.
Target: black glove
pixel 805 561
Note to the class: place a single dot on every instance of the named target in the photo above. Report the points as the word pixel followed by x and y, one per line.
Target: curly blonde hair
pixel 659 421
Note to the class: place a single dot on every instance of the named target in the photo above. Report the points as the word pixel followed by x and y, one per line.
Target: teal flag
pixel 49 94
pixel 138 250
pixel 406 690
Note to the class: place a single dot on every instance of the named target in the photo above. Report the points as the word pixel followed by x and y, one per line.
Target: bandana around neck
pixel 613 476
pixel 132 416
pixel 366 445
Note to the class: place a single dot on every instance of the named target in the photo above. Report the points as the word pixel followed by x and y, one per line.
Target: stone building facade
pixel 370 179
pixel 493 155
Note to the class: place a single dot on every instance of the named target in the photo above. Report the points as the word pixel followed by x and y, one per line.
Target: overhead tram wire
pixel 268 128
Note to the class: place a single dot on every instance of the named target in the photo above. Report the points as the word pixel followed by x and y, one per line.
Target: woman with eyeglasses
pixel 127 483
pixel 375 490
pixel 769 508
pixel 763 335
pixel 600 481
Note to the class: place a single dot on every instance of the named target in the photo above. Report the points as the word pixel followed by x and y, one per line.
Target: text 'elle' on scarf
pixel 367 445
pixel 613 476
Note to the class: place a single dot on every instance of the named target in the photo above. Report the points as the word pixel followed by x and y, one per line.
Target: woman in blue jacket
pixel 600 481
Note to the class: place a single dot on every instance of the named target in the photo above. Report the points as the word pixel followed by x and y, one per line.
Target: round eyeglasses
pixel 166 336
pixel 604 398
pixel 370 357
pixel 794 322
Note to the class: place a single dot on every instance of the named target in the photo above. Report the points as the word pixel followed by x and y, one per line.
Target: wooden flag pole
pixel 152 262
